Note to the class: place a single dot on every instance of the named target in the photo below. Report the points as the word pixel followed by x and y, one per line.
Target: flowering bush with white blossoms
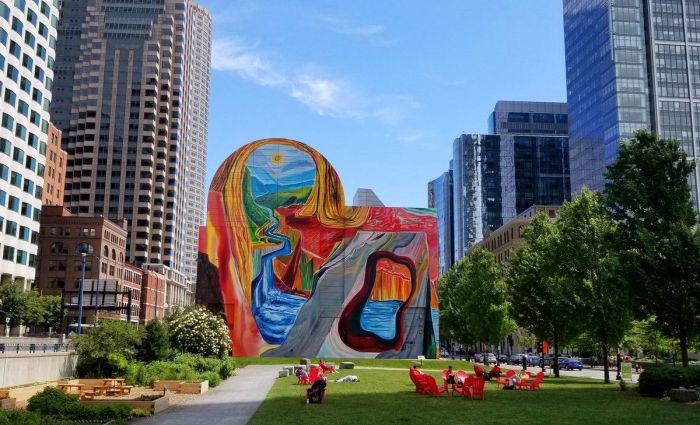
pixel 196 330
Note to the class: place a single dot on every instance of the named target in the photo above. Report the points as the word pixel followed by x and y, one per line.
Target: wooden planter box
pixel 194 387
pixel 173 386
pixel 8 404
pixel 154 407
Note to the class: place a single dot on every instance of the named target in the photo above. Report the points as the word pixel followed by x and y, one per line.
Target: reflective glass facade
pixel 440 198
pixel 631 64
pixel 498 176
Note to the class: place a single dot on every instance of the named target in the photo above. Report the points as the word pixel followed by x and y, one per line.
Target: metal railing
pixel 33 348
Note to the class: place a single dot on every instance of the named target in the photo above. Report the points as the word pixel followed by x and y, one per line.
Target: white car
pixel 491 358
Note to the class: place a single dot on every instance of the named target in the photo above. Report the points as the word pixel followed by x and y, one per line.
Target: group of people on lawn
pixel 318 387
pixel 494 373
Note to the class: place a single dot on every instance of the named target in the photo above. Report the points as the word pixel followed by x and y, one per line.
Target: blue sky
pixel 381 88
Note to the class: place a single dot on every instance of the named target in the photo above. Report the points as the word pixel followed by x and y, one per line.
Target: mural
pixel 298 273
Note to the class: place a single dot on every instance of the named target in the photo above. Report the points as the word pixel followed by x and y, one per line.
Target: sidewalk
pixel 232 403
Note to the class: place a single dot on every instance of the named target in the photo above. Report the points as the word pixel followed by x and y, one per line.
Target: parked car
pixel 516 359
pixel 572 364
pixel 534 360
pixel 477 358
pixel 562 361
pixel 491 358
pixel 444 353
pixel 502 358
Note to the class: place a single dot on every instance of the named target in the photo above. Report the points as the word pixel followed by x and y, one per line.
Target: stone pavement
pixel 232 403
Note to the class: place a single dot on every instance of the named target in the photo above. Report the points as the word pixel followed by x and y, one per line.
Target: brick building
pixel 55 169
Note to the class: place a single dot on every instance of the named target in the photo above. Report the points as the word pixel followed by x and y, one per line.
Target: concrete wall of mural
pixel 299 274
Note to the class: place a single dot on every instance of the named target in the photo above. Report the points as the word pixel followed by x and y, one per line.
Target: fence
pixel 33 348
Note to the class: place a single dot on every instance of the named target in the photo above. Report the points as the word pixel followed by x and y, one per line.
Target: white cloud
pixel 232 55
pixel 324 95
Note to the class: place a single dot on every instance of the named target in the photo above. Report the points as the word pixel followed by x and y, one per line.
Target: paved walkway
pixel 232 403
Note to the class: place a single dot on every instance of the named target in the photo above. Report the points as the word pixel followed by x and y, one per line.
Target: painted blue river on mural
pixel 274 311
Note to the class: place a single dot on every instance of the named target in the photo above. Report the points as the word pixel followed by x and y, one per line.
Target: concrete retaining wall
pixel 22 369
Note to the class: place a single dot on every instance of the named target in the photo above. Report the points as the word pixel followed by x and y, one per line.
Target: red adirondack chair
pixel 313 374
pixel 504 380
pixel 421 385
pixel 478 371
pixel 303 380
pixel 478 388
pixel 466 388
pixel 433 386
pixel 325 367
pixel 445 375
pixel 535 385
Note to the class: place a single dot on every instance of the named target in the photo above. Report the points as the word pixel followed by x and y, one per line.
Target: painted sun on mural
pixel 297 273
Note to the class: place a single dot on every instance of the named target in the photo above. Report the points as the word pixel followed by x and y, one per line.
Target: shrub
pixel 105 351
pixel 139 413
pixel 228 368
pixel 196 330
pixel 213 378
pixel 52 402
pixel 657 381
pixel 155 344
pixel 19 418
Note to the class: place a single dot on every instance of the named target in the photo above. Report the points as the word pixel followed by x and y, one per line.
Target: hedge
pixel 657 381
pixel 185 367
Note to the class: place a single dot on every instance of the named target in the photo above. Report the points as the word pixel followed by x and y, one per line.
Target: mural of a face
pixel 298 273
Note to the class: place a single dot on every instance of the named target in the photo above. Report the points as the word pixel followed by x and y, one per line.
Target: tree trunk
pixel 606 363
pixel 555 366
pixel 684 349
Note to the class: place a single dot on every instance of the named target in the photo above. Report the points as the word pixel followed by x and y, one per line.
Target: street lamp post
pixel 80 295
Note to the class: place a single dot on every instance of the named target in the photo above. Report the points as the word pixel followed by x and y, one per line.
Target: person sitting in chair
pixel 495 372
pixel 450 377
pixel 316 392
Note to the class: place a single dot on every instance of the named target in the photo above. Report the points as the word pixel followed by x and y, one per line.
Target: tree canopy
pixel 648 195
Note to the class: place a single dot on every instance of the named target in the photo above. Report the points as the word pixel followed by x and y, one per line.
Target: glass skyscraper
pixel 440 198
pixel 498 176
pixel 630 64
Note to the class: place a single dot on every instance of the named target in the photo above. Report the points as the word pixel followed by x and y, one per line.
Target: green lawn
pixel 388 397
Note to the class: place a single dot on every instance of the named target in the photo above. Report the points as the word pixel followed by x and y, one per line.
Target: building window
pixel 84 248
pixel 58 248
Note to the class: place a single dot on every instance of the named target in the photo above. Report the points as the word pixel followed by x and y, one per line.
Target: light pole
pixel 80 294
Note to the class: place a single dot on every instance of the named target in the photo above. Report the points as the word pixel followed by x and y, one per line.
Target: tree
pixel 155 343
pixel 13 304
pixel 196 330
pixel 542 299
pixel 453 323
pixel 486 303
pixel 648 194
pixel 42 310
pixel 105 350
pixel 474 299
pixel 591 270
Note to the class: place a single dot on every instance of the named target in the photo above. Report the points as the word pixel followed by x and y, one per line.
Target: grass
pixel 382 363
pixel 388 397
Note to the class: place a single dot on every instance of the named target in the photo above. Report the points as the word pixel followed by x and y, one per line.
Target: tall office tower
pixel 498 176
pixel 131 99
pixel 440 198
pixel 196 108
pixel 630 65
pixel 27 51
